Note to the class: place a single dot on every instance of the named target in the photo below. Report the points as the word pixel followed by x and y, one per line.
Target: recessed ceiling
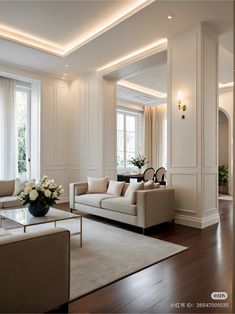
pixel 45 25
pixel 154 77
pixel 61 22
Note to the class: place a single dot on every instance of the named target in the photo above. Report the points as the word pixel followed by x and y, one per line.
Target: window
pixel 128 137
pixel 23 126
pixel 19 127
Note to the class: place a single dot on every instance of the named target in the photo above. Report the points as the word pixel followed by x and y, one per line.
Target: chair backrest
pixel 159 175
pixel 149 174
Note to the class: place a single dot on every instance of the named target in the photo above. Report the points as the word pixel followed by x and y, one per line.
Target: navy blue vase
pixel 38 210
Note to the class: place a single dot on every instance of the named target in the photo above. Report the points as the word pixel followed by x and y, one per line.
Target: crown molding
pixel 134 56
pixel 141 88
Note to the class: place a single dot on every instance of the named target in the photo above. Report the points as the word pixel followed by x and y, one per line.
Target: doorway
pixel 224 153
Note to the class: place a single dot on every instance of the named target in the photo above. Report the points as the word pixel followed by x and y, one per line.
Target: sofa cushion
pixel 149 185
pixel 7 187
pixel 92 199
pixel 19 186
pixel 115 187
pixel 119 204
pixel 97 185
pixel 4 232
pixel 125 188
pixel 131 191
pixel 9 201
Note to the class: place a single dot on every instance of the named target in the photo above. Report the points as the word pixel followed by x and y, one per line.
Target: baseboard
pixel 197 222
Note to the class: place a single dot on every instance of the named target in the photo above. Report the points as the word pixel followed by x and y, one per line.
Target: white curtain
pixel 8 158
pixel 155 136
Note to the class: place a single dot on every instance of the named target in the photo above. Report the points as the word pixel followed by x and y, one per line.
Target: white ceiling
pixel 154 77
pixel 62 22
pixel 59 22
pixel 134 97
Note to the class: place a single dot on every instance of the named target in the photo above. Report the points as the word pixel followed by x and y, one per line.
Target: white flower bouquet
pixel 44 193
pixel 139 161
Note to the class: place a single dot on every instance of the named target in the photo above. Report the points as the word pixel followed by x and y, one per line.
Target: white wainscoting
pixel 54 133
pixel 185 191
pixel 93 128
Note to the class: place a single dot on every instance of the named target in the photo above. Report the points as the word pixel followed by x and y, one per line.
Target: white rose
pixel 27 190
pixel 55 194
pixel 30 184
pixel 47 193
pixel 33 195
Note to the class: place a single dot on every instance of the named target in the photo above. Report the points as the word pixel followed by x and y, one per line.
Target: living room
pixel 71 57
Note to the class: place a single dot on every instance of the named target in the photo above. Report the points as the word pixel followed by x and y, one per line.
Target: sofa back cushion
pixel 19 186
pixel 7 187
pixel 131 191
pixel 97 185
pixel 125 188
pixel 115 187
pixel 149 185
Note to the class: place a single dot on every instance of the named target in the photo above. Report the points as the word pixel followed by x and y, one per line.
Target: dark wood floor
pixel 180 284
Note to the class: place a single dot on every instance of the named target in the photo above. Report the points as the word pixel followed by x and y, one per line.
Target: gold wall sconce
pixel 181 106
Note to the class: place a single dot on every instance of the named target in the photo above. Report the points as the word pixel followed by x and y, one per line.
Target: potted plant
pixel 223 178
pixel 139 161
pixel 40 196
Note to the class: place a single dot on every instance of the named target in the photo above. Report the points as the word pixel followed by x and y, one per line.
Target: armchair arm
pixel 35 271
pixel 155 206
pixel 76 188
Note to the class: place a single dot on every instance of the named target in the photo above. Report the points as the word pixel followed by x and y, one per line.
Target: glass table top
pixel 24 218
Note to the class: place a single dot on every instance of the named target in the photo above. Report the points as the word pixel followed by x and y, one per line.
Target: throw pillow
pixel 7 187
pixel 19 186
pixel 131 191
pixel 115 187
pixel 97 185
pixel 149 185
pixel 156 185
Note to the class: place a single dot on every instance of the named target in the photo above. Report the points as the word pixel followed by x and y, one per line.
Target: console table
pixel 127 176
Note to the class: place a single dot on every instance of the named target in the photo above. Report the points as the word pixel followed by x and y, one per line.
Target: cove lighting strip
pixel 142 89
pixel 160 44
pixel 29 40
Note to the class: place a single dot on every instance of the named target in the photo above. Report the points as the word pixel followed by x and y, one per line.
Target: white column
pixel 93 128
pixel 192 142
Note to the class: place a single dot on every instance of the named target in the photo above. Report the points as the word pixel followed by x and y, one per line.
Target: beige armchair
pixel 35 271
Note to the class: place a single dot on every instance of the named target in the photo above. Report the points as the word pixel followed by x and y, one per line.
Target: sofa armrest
pixel 155 206
pixel 77 188
pixel 35 271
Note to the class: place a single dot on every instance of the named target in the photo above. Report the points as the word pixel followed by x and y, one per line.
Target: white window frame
pixel 26 88
pixel 35 135
pixel 138 115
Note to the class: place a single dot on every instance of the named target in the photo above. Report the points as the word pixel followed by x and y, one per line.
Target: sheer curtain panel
pixel 8 158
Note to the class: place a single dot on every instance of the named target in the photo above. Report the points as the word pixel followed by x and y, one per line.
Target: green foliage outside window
pixel 21 149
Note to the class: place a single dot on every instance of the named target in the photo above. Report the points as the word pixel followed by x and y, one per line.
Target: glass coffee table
pixel 22 217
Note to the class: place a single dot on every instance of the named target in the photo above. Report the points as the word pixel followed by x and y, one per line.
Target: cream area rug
pixel 108 254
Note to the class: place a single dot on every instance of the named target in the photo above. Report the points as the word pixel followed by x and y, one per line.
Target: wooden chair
pixel 160 174
pixel 149 174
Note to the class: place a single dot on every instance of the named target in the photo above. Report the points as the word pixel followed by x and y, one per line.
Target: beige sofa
pixel 153 206
pixel 8 194
pixel 35 271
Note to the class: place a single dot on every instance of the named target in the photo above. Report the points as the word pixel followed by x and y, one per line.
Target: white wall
pixel 55 106
pixel 226 104
pixel 223 143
